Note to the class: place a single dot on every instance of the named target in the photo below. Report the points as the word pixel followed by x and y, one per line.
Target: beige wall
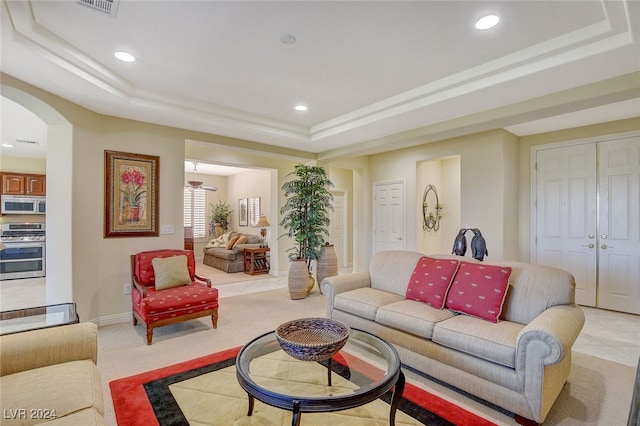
pixel 486 199
pixel 494 187
pixel 83 266
pixel 23 165
pixel 445 175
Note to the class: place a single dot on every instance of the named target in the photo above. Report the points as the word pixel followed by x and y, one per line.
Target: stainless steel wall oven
pixel 23 255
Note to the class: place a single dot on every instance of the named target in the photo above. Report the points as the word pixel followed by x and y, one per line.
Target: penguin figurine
pixel 460 243
pixel 478 245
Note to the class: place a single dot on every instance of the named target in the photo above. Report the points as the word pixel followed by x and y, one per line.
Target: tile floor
pixel 606 334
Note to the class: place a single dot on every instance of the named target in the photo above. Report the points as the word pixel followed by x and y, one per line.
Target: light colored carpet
pixel 219 277
pixel 598 391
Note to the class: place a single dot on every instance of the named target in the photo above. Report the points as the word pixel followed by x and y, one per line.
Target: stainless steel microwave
pixel 23 204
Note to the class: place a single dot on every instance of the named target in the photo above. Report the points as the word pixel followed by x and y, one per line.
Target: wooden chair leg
pixel 214 318
pixel 135 320
pixel 149 335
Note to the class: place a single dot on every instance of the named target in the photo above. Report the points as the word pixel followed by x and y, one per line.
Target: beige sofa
pixel 50 376
pixel 519 363
pixel 230 260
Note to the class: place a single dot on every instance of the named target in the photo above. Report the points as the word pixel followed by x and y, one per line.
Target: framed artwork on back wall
pixel 243 212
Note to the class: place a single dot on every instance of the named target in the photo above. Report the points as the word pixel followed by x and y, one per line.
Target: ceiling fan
pixel 195 184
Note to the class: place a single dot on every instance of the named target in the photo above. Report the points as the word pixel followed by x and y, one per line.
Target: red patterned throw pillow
pixel 431 280
pixel 479 290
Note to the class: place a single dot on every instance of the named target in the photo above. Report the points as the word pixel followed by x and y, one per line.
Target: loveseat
pixel 227 251
pixel 513 349
pixel 50 375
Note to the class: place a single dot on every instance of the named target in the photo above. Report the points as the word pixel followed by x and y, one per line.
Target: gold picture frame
pixel 131 194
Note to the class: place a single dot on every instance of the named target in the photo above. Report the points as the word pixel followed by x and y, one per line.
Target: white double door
pixel 587 219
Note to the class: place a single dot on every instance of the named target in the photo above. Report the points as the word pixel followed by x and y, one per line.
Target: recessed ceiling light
pixel 301 108
pixel 7 145
pixel 487 22
pixel 125 57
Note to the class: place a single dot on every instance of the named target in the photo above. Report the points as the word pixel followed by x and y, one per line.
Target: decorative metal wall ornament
pixel 431 219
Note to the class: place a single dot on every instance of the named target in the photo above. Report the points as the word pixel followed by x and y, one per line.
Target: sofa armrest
pixel 557 328
pixel 341 283
pixel 49 346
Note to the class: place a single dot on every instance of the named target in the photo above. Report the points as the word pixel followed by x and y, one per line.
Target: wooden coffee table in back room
pixel 256 260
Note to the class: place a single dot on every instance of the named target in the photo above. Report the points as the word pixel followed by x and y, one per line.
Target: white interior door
pixel 388 216
pixel 338 227
pixel 587 218
pixel 619 233
pixel 565 211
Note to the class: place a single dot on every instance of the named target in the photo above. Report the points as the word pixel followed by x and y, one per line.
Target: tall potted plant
pixel 305 217
pixel 219 219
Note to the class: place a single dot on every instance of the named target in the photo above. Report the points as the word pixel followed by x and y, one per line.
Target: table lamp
pixel 263 223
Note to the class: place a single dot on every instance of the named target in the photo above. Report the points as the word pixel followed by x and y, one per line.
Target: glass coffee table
pixel 27 319
pixel 365 369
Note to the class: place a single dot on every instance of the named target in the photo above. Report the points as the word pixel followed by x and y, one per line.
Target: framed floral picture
pixel 131 195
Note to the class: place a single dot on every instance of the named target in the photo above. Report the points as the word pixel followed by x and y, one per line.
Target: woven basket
pixel 312 339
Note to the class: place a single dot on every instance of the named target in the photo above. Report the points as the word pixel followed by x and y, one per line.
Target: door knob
pixel 591 236
pixel 589 245
pixel 604 247
pixel 603 236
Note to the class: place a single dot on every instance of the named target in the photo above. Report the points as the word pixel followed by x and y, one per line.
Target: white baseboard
pixel 114 319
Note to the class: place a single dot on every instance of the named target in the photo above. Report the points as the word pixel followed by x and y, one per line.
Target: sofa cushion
pixel 231 242
pixel 223 253
pixel 479 290
pixel 67 388
pixel 412 317
pixel 176 301
pixel 390 270
pixel 493 342
pixel 170 271
pixel 534 289
pixel 364 302
pixel 431 280
pixel 144 266
pixel 86 417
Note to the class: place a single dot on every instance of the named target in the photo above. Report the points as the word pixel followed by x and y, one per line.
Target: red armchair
pixel 181 297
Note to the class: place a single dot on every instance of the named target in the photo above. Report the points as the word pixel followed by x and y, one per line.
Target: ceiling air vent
pixel 110 7
pixel 29 142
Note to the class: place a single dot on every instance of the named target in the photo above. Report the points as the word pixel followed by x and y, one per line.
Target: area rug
pixel 205 391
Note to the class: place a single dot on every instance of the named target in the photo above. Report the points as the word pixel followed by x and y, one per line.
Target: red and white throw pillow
pixel 431 280
pixel 479 290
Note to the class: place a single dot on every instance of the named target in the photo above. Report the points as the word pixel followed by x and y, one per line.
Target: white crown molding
pixel 51 47
pixel 612 32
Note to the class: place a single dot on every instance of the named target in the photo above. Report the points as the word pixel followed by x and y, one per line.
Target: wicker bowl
pixel 312 339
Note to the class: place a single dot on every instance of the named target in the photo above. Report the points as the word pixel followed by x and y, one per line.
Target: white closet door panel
pixel 619 233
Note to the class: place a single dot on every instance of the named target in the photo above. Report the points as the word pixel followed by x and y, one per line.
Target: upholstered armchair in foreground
pixel 166 290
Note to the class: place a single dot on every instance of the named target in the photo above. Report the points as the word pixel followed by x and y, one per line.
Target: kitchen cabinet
pixel 23 184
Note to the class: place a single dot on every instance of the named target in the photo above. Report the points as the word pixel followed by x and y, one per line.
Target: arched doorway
pixel 59 218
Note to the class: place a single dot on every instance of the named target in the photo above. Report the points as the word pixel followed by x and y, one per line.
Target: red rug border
pixel 129 396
